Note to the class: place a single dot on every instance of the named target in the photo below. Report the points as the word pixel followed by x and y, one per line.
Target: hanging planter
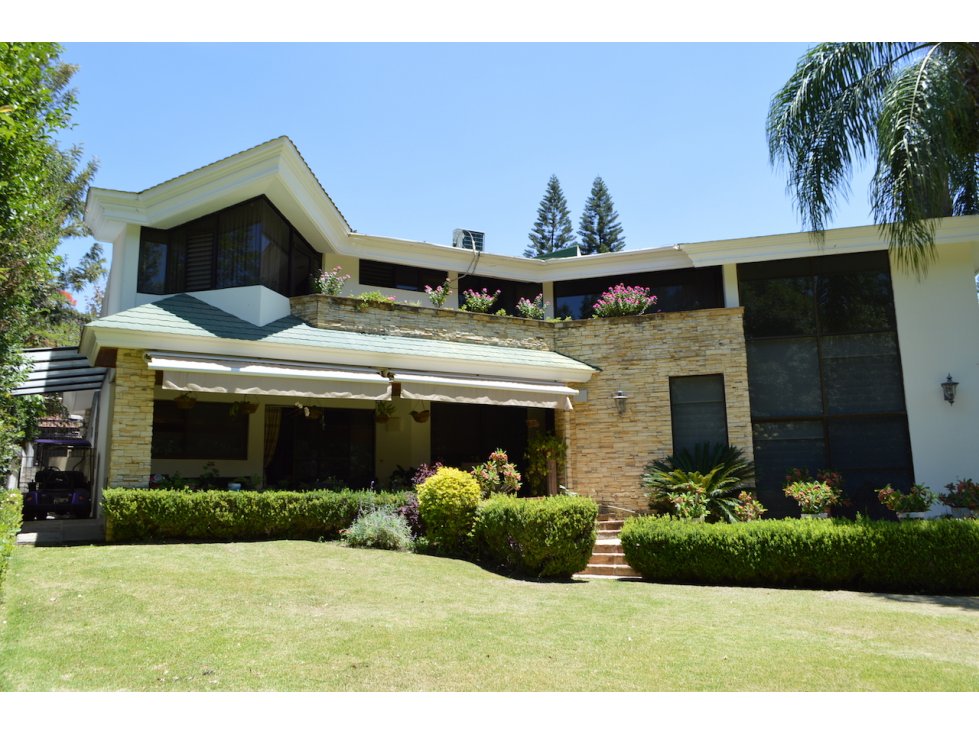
pixel 383 410
pixel 421 416
pixel 242 407
pixel 185 402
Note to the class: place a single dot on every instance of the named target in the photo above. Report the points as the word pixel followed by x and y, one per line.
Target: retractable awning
pixel 201 373
pixel 448 388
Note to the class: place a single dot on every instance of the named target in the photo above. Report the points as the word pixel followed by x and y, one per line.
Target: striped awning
pixel 61 369
pixel 481 390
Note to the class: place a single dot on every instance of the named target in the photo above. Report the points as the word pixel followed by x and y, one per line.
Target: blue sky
pixel 414 140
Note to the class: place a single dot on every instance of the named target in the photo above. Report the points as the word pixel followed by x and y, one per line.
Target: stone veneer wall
pixel 638 355
pixel 351 314
pixel 132 421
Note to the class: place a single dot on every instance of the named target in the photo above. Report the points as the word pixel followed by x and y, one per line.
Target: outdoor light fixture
pixel 620 398
pixel 948 389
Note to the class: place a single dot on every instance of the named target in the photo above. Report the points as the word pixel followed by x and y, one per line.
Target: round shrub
pixel 447 504
pixel 542 537
pixel 385 528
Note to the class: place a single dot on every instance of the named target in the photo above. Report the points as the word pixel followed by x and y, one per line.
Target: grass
pixel 292 615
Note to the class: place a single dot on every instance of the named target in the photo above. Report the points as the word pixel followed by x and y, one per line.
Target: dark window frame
pixel 165 412
pixel 209 226
pixel 380 274
pixel 673 406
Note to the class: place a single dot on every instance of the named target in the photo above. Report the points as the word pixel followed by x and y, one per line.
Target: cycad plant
pixel 913 107
pixel 719 471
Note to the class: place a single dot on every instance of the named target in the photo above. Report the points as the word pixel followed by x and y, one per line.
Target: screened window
pixel 824 375
pixel 697 410
pixel 247 244
pixel 403 277
pixel 511 291
pixel 686 289
pixel 205 431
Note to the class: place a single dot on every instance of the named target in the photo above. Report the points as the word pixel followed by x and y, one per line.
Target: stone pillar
pixel 131 424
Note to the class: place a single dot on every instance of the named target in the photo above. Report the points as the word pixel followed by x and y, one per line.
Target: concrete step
pixel 605 558
pixel 617 570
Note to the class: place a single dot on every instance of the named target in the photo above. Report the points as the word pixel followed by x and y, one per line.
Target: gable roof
pixel 185 323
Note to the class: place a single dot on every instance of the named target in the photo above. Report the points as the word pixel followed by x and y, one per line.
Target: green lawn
pixel 293 615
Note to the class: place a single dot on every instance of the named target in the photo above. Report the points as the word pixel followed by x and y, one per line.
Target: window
pixel 247 244
pixel 698 411
pixel 686 289
pixel 511 291
pixel 824 374
pixel 206 431
pixel 403 277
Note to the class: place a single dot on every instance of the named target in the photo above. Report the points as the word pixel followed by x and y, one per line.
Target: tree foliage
pixel 552 231
pixel 600 230
pixel 911 107
pixel 42 191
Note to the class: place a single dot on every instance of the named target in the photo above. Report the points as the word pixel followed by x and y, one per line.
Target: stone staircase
pixel 608 560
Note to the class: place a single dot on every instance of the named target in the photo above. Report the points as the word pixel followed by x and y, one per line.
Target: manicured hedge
pixel 547 537
pixel 161 514
pixel 928 556
pixel 11 506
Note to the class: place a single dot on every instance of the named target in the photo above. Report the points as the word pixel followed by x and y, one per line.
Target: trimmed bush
pixel 447 503
pixel 384 528
pixel 153 514
pixel 546 537
pixel 930 556
pixel 11 507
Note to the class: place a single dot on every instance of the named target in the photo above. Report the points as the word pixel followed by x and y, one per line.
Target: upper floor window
pixel 685 289
pixel 247 244
pixel 403 277
pixel 511 291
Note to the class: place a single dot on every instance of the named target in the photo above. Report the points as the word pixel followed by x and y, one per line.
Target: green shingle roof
pixel 188 316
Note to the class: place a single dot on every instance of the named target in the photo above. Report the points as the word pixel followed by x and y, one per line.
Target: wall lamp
pixel 948 389
pixel 619 399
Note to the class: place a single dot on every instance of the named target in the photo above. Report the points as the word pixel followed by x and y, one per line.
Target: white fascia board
pixel 275 169
pixel 95 338
pixel 951 230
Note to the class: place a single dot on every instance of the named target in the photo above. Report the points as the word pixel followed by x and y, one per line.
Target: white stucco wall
pixel 938 331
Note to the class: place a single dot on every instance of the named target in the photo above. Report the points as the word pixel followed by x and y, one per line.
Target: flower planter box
pixel 815 515
pixel 912 515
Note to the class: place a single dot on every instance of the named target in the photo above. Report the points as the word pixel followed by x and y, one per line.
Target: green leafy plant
pixel 690 498
pixel 383 409
pixel 535 309
pixel 813 497
pixel 543 448
pixel 962 493
pixel 11 509
pixel 718 471
pixel 919 499
pixel 929 556
pixel 447 503
pixel 497 475
pixel 330 282
pixel 749 508
pixel 546 537
pixel 368 298
pixel 384 528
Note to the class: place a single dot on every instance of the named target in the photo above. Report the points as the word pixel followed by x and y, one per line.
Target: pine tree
pixel 552 230
pixel 600 230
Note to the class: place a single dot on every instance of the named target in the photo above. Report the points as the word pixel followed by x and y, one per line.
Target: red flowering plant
pixel 479 301
pixel 919 499
pixel 533 309
pixel 813 497
pixel 962 493
pixel 438 294
pixel 330 282
pixel 622 300
pixel 690 501
pixel 498 475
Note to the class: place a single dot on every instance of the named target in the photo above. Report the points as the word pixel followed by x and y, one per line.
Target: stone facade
pixel 351 314
pixel 636 354
pixel 132 421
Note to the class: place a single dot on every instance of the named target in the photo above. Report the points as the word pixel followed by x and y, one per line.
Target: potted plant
pixel 421 416
pixel 814 498
pixel 383 410
pixel 242 407
pixel 690 502
pixel 962 498
pixel 913 505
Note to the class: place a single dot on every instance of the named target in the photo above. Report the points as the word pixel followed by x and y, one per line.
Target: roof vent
pixel 468 239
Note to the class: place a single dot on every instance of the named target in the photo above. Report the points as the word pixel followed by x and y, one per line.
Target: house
pixel 803 354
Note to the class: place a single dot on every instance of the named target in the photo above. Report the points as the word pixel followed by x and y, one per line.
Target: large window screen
pixel 697 410
pixel 824 375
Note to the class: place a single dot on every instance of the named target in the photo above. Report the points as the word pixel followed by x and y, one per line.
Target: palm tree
pixel 913 105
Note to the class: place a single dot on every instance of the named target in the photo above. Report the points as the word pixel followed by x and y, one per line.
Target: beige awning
pixel 201 373
pixel 447 388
